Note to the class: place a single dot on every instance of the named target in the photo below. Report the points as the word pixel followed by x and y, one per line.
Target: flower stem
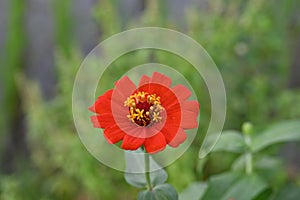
pixel 147 171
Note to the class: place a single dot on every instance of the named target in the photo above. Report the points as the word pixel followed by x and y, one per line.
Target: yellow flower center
pixel 144 108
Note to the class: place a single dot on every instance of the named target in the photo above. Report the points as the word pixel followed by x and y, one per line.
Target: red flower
pixel 150 115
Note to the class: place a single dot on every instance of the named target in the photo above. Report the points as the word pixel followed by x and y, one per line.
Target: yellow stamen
pixel 156 117
pixel 137 104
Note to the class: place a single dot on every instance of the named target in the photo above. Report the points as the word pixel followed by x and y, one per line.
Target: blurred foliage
pixel 248 40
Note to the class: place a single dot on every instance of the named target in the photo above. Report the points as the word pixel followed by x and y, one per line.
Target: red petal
pixel 161 79
pixel 113 134
pixel 102 121
pixel 192 106
pixel 125 87
pixel 102 104
pixel 189 120
pixel 144 80
pixel 174 110
pixel 132 143
pixel 167 97
pixel 155 143
pixel 178 139
pixel 181 92
pixel 170 132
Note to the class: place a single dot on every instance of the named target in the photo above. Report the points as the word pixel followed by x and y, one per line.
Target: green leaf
pixel 160 192
pixel 234 185
pixel 231 141
pixel 135 170
pixel 219 184
pixel 194 192
pixel 246 188
pixel 239 163
pixel 281 132
pixel 264 195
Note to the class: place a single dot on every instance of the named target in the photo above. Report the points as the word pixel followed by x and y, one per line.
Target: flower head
pixel 152 115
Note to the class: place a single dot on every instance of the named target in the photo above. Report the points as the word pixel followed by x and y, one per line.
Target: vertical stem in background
pixel 162 6
pixel 62 11
pixel 11 63
pixel 156 12
pixel 291 17
pixel 147 171
pixel 12 59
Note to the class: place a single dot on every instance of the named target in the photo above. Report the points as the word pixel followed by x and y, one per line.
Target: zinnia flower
pixel 152 115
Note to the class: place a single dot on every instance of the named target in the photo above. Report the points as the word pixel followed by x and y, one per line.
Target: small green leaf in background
pixel 230 141
pixel 195 191
pixel 160 192
pixel 281 132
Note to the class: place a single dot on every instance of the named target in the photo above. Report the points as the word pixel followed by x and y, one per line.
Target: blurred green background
pixel 255 44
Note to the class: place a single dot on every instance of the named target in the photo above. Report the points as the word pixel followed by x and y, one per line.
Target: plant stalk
pixel 147 171
pixel 249 164
pixel 248 155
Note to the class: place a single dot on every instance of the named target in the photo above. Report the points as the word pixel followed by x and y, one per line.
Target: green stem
pixel 248 155
pixel 249 165
pixel 147 171
pixel 247 130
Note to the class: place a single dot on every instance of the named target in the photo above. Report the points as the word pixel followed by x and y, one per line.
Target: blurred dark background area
pixel 255 44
